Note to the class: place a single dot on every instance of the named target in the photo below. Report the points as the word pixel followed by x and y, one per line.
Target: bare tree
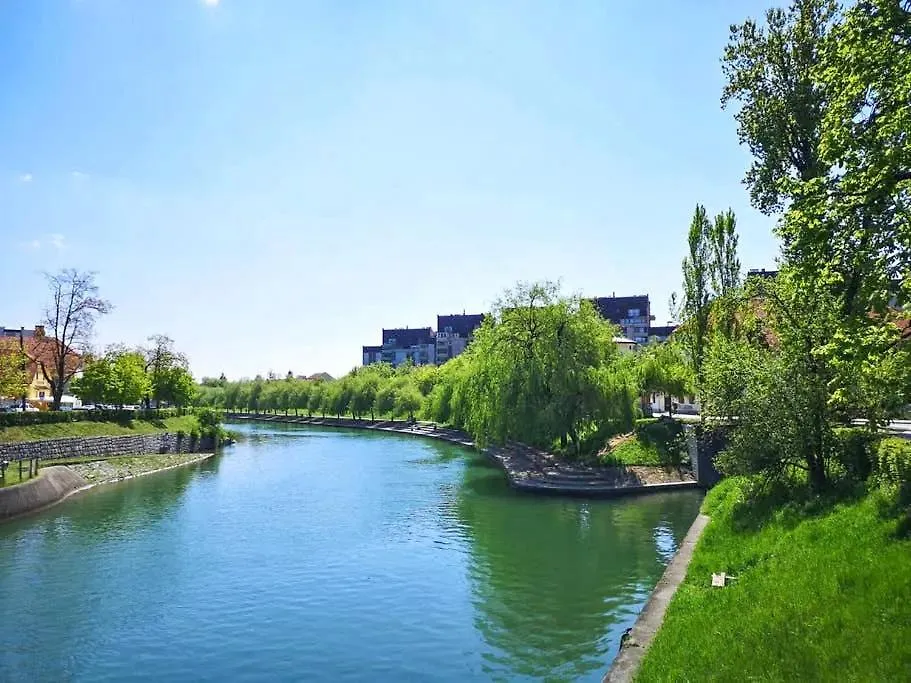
pixel 70 321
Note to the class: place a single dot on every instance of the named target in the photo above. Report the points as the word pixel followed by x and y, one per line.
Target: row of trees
pixel 121 376
pixel 823 96
pixel 542 369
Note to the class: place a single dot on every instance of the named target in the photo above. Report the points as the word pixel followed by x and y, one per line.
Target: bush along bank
pixel 818 584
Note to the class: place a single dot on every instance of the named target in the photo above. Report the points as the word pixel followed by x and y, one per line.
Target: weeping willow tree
pixel 543 369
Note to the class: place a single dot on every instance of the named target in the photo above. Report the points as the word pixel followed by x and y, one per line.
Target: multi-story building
pixel 631 313
pixel 660 333
pixel 453 334
pixel 402 344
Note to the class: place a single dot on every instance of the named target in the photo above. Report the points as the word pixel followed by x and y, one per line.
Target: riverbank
pixel 37 432
pixel 57 482
pixel 816 590
pixel 527 469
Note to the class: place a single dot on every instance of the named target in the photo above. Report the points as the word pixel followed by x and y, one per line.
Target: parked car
pixel 87 406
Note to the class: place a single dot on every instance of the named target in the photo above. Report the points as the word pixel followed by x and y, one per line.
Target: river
pixel 316 554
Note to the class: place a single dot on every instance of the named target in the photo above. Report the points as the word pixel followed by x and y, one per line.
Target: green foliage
pixel 893 462
pixel 118 378
pixel 12 373
pixel 780 105
pixel 855 451
pixel 655 442
pixel 820 593
pixel 542 369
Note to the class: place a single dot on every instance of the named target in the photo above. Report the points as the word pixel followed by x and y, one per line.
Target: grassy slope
pixel 821 594
pixel 635 452
pixel 55 431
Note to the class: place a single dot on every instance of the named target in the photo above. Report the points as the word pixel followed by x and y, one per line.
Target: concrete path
pixel 634 647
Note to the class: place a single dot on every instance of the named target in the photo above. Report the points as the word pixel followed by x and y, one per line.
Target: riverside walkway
pixel 526 468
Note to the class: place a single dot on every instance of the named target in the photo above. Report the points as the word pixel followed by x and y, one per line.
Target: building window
pixel 41 395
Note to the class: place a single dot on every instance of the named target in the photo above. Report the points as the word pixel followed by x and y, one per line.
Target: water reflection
pixel 556 581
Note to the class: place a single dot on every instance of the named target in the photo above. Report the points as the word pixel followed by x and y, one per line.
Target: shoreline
pixel 66 482
pixel 634 646
pixel 527 469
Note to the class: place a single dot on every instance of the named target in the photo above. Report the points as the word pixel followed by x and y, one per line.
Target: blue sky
pixel 271 182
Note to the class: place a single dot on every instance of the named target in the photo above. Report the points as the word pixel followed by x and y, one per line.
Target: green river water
pixel 325 555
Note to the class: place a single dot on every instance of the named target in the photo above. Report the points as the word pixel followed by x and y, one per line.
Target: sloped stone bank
pixel 52 485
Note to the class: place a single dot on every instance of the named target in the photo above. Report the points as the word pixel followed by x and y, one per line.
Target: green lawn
pixel 64 429
pixel 823 592
pixel 636 452
pixel 11 476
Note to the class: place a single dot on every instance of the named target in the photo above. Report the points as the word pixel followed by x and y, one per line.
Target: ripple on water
pixel 329 555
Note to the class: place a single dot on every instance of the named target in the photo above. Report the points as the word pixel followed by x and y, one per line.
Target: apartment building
pixel 423 346
pixel 453 334
pixel 631 313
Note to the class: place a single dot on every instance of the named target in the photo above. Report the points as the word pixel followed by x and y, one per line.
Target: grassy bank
pixel 822 592
pixel 186 423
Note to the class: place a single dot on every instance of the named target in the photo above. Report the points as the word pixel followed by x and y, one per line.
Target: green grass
pixel 11 478
pixel 635 452
pixel 187 423
pixel 823 592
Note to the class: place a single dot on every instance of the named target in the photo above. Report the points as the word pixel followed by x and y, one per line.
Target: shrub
pixel 664 434
pixel 893 462
pixel 61 416
pixel 855 450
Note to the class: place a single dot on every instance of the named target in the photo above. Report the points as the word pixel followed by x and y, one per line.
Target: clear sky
pixel 271 182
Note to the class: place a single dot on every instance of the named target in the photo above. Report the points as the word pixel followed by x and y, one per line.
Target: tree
pixel 316 401
pixel 408 400
pixel 162 363
pixel 95 384
pixel 12 373
pixel 70 317
pixel 538 371
pixel 770 75
pixel 697 294
pixel 129 381
pixel 176 386
pixel 725 270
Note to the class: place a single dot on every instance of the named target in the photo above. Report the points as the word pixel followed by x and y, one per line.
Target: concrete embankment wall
pixel 50 486
pixel 103 446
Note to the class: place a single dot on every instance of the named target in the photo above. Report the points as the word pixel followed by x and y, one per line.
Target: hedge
pixel 58 416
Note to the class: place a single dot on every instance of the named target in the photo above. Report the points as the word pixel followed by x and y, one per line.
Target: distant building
pixel 38 353
pixel 453 334
pixel 625 344
pixel 660 333
pixel 762 272
pixel 403 344
pixel 631 313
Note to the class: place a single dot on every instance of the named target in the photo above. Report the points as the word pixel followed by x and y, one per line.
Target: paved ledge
pixel 52 485
pixel 633 648
pixel 56 483
pixel 527 469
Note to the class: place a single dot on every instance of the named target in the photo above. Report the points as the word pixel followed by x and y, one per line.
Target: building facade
pixel 37 352
pixel 632 313
pixel 453 334
pixel 401 345
pixel 423 346
pixel 660 333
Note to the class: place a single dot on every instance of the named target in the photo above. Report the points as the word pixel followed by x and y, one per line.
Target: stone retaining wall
pixel 103 446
